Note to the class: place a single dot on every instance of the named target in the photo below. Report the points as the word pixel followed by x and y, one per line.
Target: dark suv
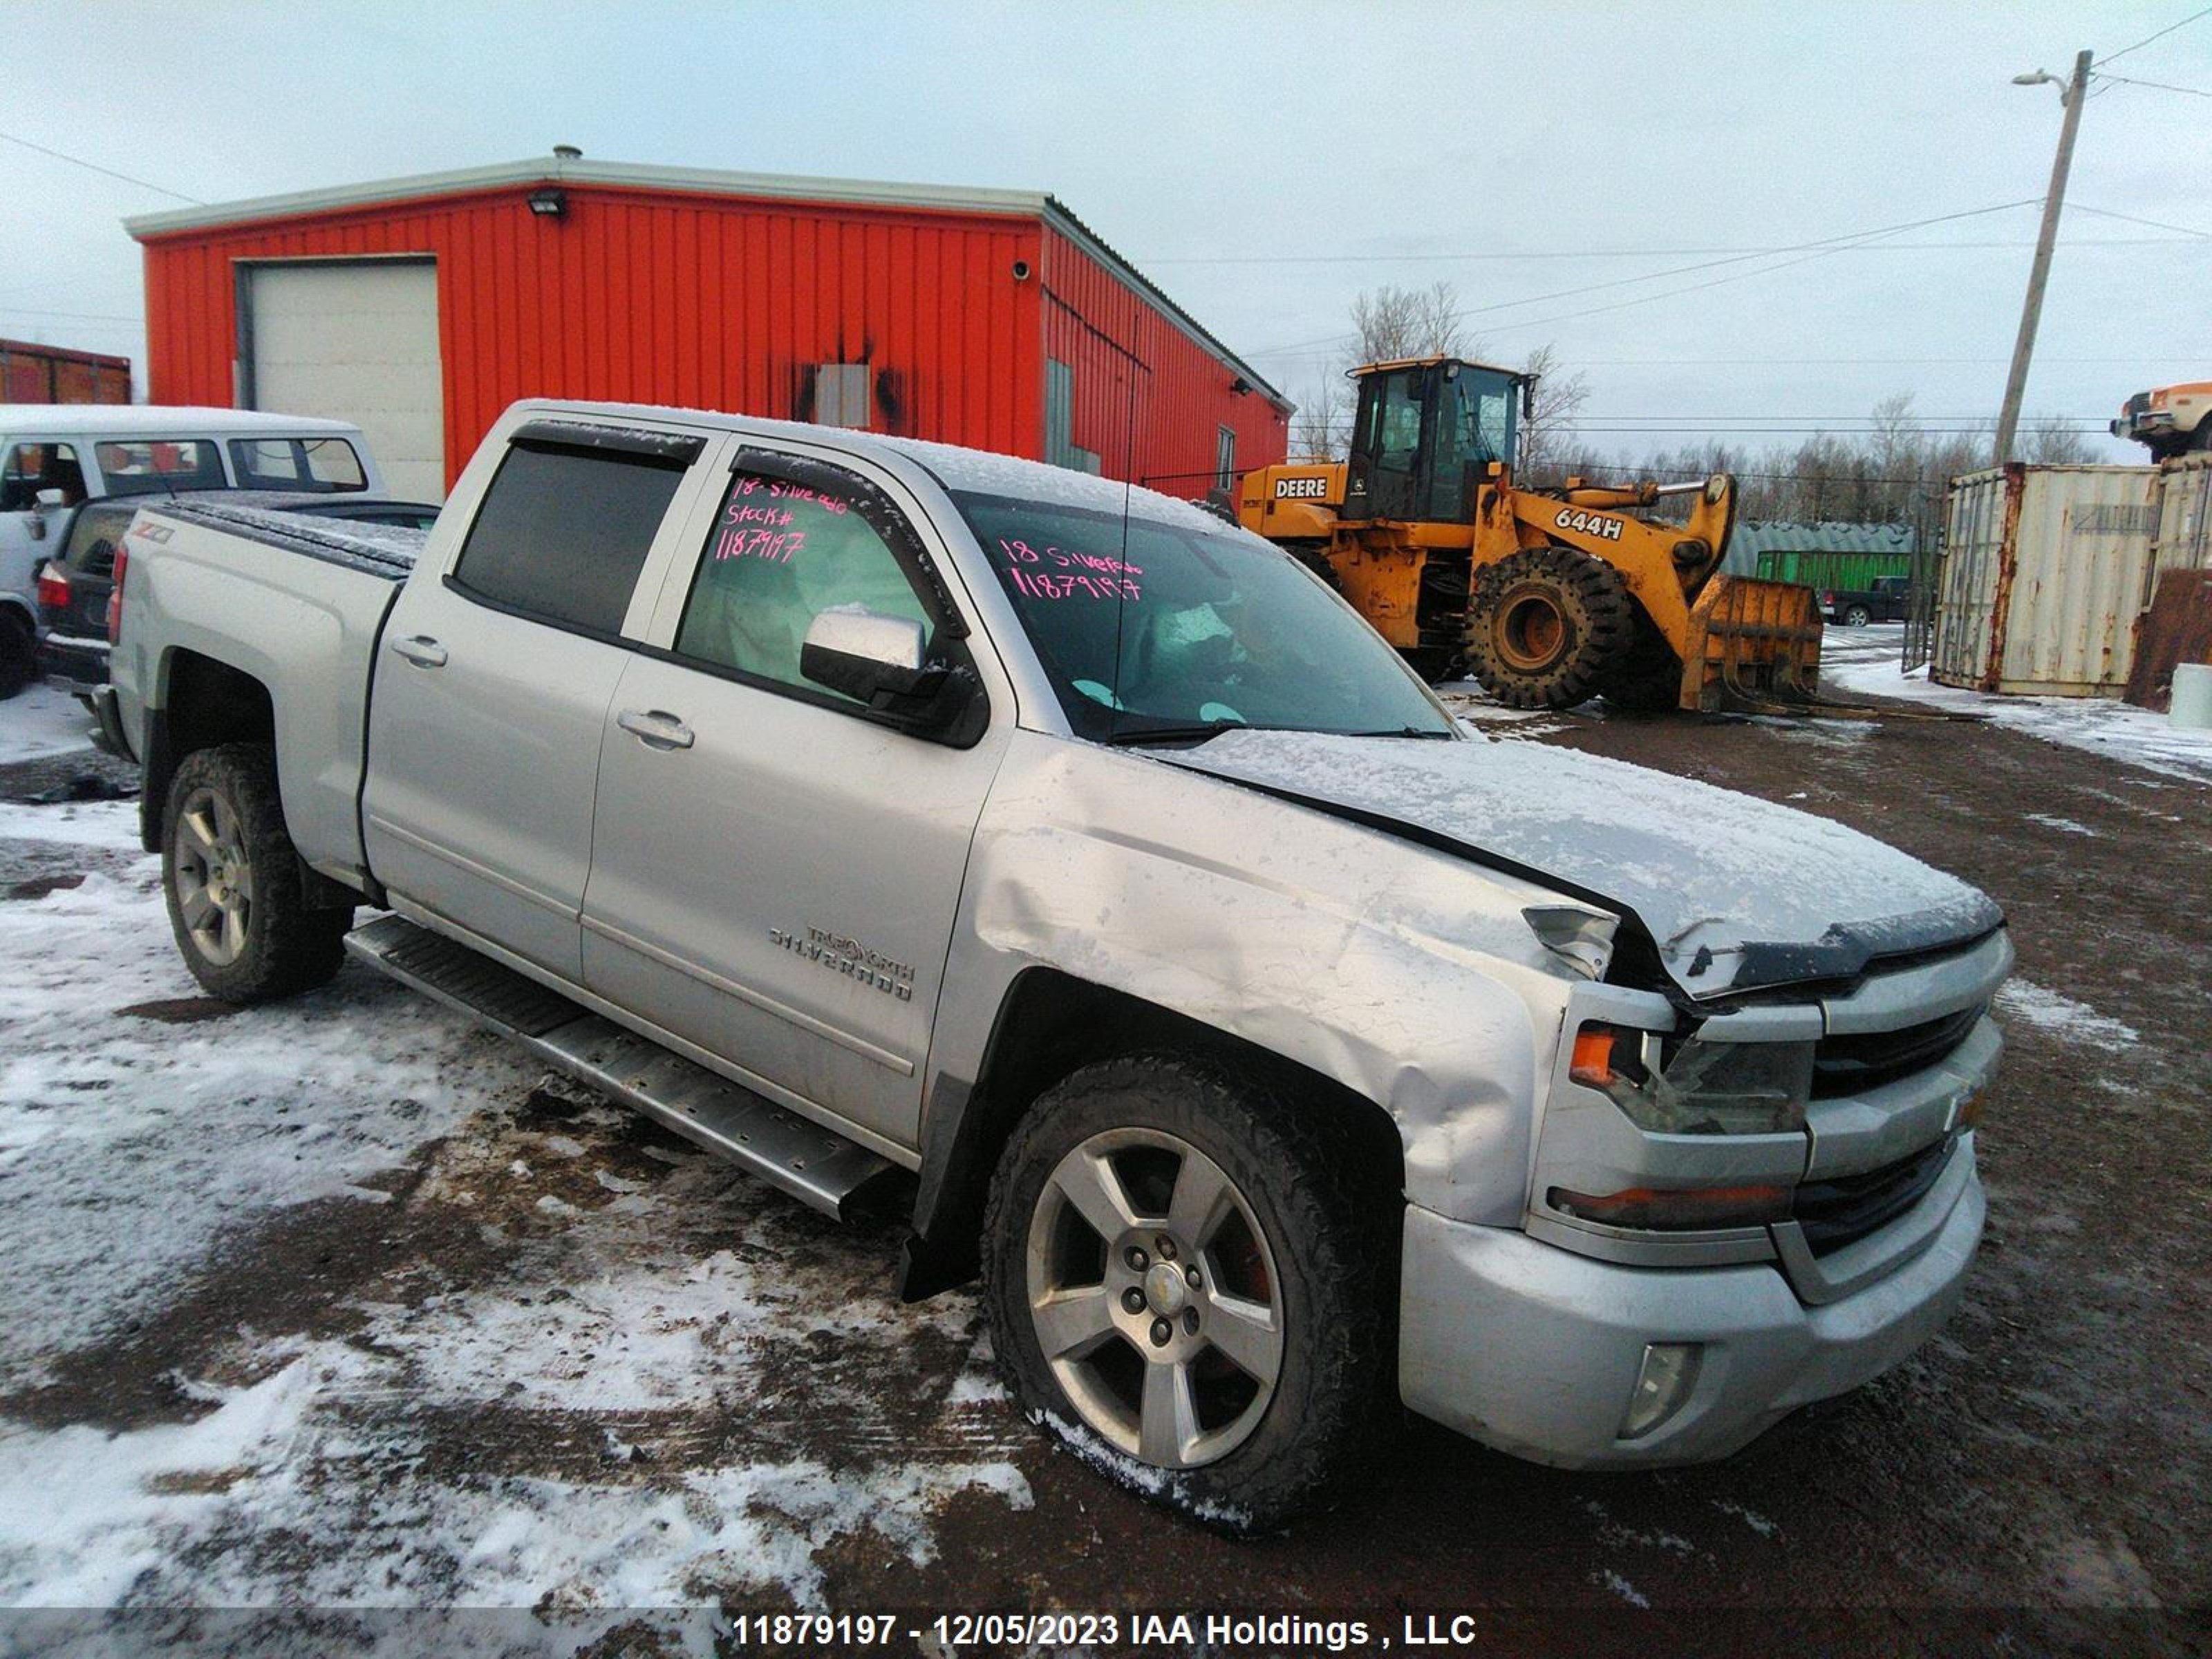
pixel 74 585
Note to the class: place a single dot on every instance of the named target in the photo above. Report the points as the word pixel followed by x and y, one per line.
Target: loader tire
pixel 1314 554
pixel 1548 627
pixel 1649 678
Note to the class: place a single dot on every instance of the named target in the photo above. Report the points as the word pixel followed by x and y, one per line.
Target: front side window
pixel 158 466
pixel 34 467
pixel 325 466
pixel 781 553
pixel 1144 625
pixel 562 533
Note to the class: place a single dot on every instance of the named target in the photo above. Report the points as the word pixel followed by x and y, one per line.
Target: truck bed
pixel 374 550
pixel 296 603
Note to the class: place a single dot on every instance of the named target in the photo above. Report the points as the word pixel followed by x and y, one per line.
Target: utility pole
pixel 2031 312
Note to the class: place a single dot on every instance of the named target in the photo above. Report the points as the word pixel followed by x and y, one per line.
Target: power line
pixel 1634 253
pixel 76 316
pixel 94 167
pixel 1825 245
pixel 2192 17
pixel 2160 224
pixel 2160 86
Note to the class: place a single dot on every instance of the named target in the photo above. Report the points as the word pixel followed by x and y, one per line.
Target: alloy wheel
pixel 1154 1297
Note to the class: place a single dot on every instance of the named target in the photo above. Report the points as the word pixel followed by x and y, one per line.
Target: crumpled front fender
pixel 1405 975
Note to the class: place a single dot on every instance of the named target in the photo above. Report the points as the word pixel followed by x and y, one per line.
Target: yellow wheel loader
pixel 1548 597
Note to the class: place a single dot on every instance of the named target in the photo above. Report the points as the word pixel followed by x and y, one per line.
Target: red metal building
pixel 420 307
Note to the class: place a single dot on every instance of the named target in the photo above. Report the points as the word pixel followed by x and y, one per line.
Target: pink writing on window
pixel 780 489
pixel 776 546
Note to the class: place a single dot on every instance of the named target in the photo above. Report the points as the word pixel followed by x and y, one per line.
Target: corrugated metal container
pixel 33 374
pixel 2183 541
pixel 1828 555
pixel 924 311
pixel 2046 572
pixel 1852 571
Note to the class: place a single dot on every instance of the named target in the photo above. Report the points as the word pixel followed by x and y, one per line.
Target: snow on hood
pixel 1735 891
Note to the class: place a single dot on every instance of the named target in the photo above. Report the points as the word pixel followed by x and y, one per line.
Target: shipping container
pixel 1848 572
pixel 2046 572
pixel 32 373
pixel 1827 555
pixel 2184 539
pixel 421 307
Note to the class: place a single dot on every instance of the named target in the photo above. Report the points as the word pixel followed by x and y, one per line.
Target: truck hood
pixel 1736 893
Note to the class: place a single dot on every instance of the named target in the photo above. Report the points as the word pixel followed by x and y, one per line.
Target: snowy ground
pixel 42 722
pixel 652 1358
pixel 1865 662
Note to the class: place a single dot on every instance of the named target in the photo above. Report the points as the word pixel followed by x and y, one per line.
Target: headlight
pixel 1704 1088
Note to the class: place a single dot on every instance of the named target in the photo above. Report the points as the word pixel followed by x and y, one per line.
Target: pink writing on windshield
pixel 1045 585
pixel 1063 558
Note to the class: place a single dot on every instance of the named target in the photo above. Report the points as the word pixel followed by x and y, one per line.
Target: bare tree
pixel 1548 447
pixel 2050 442
pixel 1322 431
pixel 1407 322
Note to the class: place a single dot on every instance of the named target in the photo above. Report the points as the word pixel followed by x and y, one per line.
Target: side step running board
pixel 811 1162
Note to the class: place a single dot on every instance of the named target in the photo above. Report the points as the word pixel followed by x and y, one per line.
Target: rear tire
pixel 237 896
pixel 1212 1263
pixel 19 652
pixel 1548 627
pixel 1857 616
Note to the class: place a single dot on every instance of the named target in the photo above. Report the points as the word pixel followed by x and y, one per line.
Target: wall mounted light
pixel 1239 386
pixel 549 204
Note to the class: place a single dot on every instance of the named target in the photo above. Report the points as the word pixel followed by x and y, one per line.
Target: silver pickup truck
pixel 1077 872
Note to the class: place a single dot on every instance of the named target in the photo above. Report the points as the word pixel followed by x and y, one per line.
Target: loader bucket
pixel 1753 645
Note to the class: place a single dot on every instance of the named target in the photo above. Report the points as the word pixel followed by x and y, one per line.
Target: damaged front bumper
pixel 1547 1353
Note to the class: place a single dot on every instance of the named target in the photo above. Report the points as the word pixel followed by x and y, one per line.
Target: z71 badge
pixel 1589 523
pixel 1301 489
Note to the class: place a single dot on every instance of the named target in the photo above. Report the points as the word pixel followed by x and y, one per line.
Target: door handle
pixel 656 728
pixel 423 650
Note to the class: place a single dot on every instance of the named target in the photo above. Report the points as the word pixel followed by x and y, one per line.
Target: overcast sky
pixel 1264 164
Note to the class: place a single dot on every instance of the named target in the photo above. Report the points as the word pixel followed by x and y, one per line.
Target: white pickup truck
pixel 1049 858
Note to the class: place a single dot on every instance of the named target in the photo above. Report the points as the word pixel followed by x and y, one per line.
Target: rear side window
pixel 34 467
pixel 562 534
pixel 157 466
pixel 317 464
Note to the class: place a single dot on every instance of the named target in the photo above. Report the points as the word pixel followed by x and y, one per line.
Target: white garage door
pixel 358 342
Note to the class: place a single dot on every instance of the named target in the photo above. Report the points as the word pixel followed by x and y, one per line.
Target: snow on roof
pixel 124 421
pixel 982 471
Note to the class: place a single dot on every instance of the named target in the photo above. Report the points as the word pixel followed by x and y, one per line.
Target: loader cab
pixel 1424 433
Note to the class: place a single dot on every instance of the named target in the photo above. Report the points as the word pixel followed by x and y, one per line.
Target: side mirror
pixel 882 661
pixel 862 654
pixel 46 502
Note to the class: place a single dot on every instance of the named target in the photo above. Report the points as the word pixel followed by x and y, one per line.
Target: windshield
pixel 1189 627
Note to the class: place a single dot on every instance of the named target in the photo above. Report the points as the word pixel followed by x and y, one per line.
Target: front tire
pixel 1548 627
pixel 1192 1278
pixel 237 897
